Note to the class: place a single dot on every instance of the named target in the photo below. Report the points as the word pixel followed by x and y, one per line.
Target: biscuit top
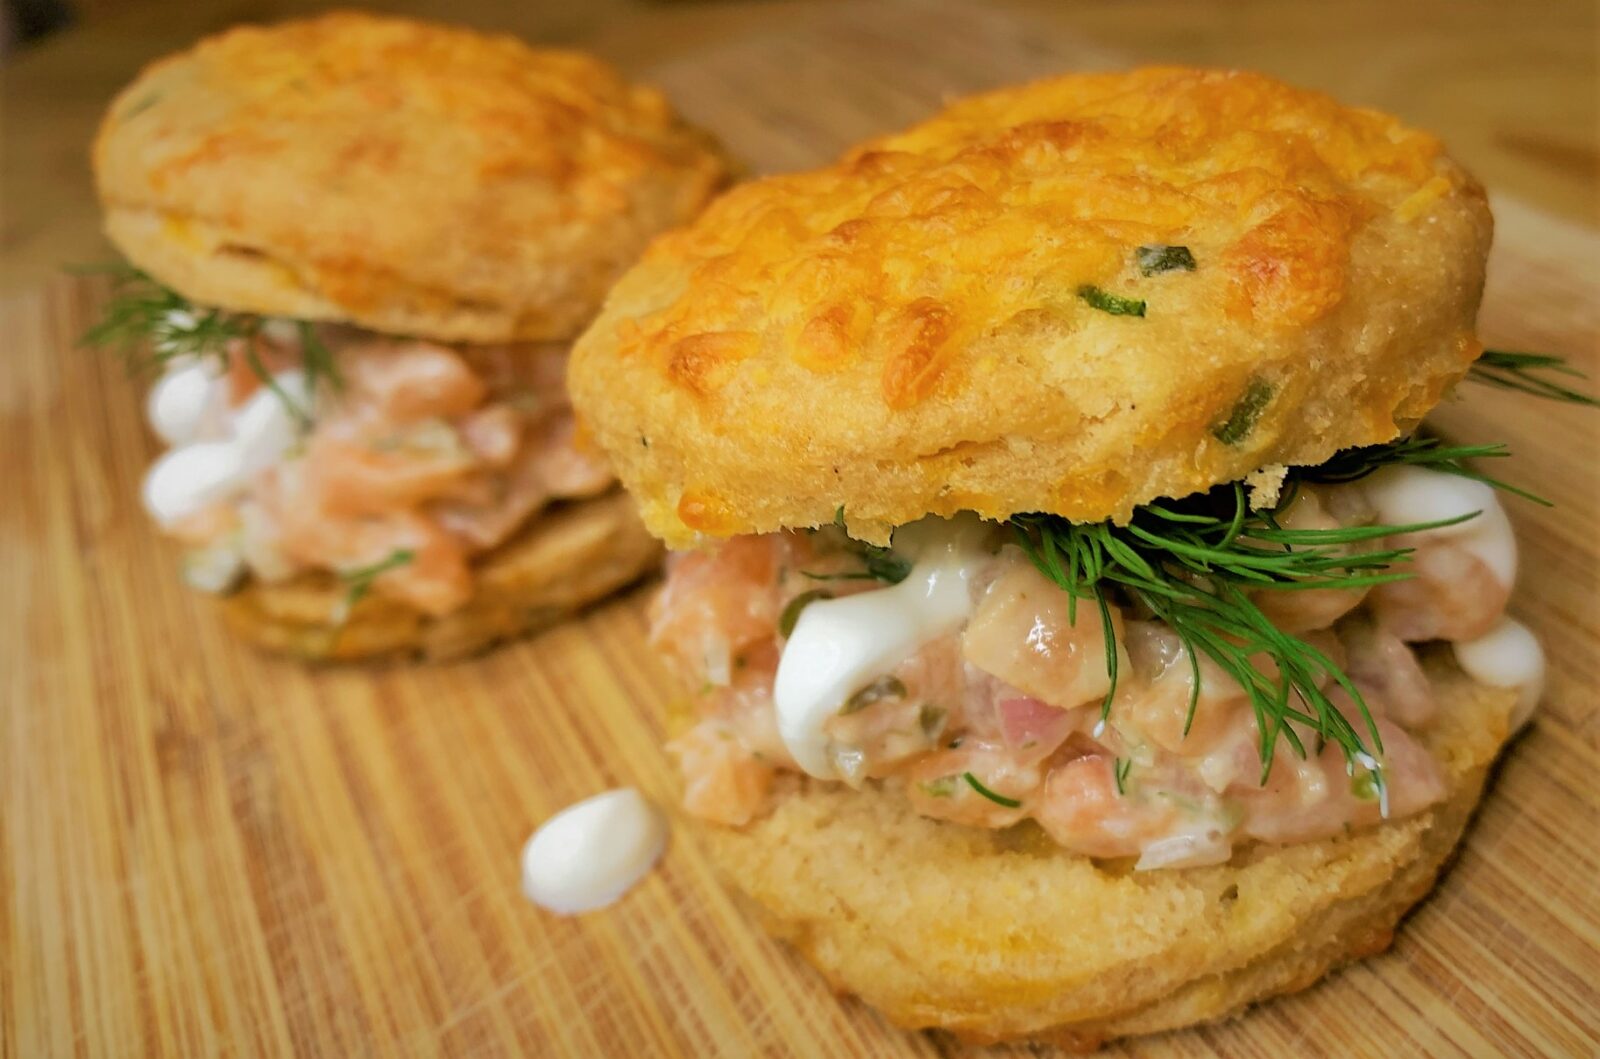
pixel 405 176
pixel 944 318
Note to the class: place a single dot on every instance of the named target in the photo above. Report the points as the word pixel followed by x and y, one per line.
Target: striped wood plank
pixel 209 852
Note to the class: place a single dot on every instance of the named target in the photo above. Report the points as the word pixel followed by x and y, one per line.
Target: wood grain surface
pixel 205 852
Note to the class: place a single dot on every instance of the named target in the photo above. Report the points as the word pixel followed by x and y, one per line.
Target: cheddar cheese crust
pixel 412 178
pixel 1072 296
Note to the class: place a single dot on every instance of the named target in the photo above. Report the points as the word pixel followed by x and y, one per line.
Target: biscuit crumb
pixel 1266 485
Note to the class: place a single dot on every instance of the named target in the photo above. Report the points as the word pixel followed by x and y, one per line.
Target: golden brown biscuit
pixel 411 178
pixel 926 325
pixel 997 935
pixel 564 560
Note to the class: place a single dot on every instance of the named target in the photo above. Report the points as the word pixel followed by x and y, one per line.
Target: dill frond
pixel 145 317
pixel 1194 563
pixel 150 324
pixel 1530 373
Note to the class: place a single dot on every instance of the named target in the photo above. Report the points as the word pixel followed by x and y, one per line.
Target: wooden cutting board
pixel 211 852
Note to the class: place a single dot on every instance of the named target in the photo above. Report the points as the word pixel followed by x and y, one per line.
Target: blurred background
pixel 1511 86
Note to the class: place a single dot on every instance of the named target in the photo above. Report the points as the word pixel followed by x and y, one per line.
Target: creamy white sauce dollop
pixel 214 451
pixel 180 399
pixel 263 427
pixel 187 480
pixel 591 853
pixel 1402 494
pixel 840 645
pixel 1507 656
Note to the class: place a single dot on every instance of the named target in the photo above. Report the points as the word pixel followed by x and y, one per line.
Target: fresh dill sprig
pixel 252 360
pixel 1193 563
pixel 1530 373
pixel 144 315
pixel 1417 450
pixel 358 580
pixel 316 359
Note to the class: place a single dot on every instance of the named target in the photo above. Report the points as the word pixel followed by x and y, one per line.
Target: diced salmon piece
pixel 724 782
pixel 717 602
pixel 1023 632
pixel 1452 595
pixel 407 382
pixel 350 478
pixel 1081 809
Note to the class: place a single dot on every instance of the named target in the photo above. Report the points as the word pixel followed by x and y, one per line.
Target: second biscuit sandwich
pixel 363 247
pixel 1082 640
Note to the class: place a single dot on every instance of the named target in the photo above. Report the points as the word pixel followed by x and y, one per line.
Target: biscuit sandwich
pixel 360 249
pixel 1081 639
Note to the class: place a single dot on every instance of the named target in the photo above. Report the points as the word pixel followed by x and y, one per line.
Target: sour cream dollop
pixel 1507 656
pixel 178 402
pixel 187 480
pixel 264 428
pixel 215 452
pixel 840 645
pixel 591 853
pixel 1403 495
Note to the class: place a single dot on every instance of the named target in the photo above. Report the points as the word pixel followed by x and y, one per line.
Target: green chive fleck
pixel 1246 412
pixel 1106 302
pixel 1157 258
pixel 943 787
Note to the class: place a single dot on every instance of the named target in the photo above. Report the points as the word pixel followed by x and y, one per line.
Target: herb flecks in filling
pixel 791 611
pixel 1364 784
pixel 1225 659
pixel 359 580
pixel 880 563
pixel 883 689
pixel 998 799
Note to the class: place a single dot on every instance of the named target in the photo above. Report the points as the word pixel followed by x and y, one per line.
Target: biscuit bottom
pixel 998 935
pixel 567 557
